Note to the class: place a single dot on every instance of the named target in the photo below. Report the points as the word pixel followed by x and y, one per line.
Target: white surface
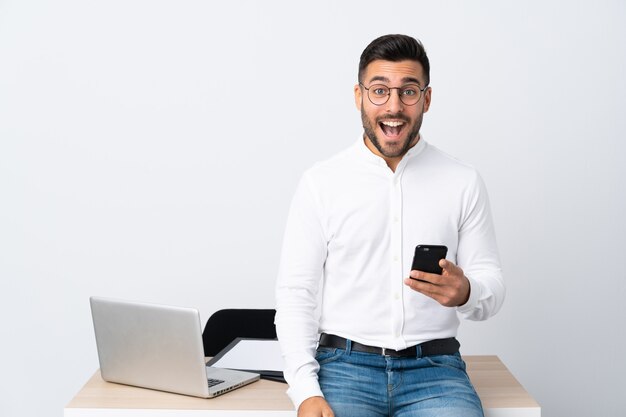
pixel 92 412
pixel 253 355
pixel 131 166
pixel 83 412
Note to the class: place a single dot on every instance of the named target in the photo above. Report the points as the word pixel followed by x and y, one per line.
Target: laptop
pixel 158 347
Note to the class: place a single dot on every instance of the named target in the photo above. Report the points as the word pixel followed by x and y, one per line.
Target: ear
pixel 427 98
pixel 358 97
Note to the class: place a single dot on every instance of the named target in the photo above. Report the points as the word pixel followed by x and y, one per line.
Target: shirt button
pixel 395 219
pixel 395 258
pixel 396 296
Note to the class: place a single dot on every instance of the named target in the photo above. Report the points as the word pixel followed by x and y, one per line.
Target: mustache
pixel 393 117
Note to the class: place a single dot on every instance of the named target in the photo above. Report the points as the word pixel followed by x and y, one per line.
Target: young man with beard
pixel 382 341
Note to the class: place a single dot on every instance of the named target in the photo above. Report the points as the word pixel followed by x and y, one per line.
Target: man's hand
pixel 315 407
pixel 450 289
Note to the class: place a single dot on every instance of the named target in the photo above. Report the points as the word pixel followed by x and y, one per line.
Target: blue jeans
pixel 359 384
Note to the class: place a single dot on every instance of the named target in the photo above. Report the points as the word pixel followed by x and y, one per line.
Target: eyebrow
pixel 405 80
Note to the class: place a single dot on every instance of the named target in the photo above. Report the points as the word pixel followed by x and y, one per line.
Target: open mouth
pixel 392 128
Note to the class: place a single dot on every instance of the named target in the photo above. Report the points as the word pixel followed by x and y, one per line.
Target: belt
pixel 447 346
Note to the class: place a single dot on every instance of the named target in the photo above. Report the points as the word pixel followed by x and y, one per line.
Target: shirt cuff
pixel 304 389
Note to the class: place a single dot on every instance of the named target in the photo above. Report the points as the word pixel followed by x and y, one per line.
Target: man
pixel 387 344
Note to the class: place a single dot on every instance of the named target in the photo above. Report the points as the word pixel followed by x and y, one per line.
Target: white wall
pixel 149 150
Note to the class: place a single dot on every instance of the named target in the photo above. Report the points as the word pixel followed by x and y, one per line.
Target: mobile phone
pixel 427 258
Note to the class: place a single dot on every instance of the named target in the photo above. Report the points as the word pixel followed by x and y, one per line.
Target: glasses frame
pixel 421 90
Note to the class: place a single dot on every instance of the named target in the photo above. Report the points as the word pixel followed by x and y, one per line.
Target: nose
pixel 394 104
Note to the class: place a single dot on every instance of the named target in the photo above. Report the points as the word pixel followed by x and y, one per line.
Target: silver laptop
pixel 158 347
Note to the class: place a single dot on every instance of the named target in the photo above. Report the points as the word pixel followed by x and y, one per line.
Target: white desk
pixel 500 393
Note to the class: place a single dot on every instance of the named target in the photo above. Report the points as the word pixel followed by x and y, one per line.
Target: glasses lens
pixel 410 94
pixel 378 94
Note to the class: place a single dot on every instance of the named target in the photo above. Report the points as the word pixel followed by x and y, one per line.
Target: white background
pixel 149 151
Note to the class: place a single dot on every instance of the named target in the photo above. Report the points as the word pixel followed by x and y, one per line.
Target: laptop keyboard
pixel 214 382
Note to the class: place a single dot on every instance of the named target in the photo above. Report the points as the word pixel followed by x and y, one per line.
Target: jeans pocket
pixel 325 355
pixel 452 361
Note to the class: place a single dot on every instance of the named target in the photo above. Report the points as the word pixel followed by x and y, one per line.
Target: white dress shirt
pixel 349 242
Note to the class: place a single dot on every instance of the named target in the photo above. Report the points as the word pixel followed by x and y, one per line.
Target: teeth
pixel 392 124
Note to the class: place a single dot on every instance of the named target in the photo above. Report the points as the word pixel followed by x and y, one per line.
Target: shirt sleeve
pixel 477 255
pixel 301 268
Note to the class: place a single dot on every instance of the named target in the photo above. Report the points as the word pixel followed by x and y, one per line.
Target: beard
pixel 392 151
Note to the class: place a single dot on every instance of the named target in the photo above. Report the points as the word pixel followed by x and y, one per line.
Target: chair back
pixel 226 325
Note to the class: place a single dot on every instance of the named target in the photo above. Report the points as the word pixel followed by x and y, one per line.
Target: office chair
pixel 226 325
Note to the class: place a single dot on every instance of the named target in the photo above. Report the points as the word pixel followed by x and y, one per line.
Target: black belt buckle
pixel 404 353
pixel 390 352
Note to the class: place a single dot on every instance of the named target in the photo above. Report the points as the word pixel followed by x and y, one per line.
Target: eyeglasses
pixel 379 94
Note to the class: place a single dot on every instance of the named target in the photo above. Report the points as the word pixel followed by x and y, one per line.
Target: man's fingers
pixel 315 407
pixel 425 287
pixel 447 266
pixel 436 292
pixel 449 289
pixel 450 268
pixel 425 276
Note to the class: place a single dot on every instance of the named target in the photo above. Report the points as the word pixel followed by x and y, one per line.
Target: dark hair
pixel 395 48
